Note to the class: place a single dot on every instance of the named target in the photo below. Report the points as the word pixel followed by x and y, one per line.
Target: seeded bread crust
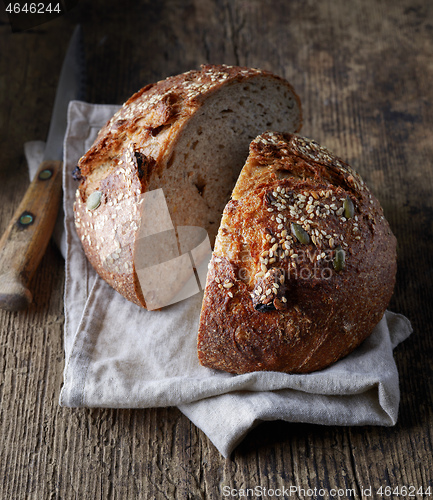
pixel 158 140
pixel 304 263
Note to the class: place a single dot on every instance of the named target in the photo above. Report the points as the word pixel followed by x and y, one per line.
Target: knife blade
pixel 25 240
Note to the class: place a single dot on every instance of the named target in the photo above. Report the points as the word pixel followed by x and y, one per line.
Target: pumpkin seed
pixel 349 208
pixel 94 200
pixel 339 259
pixel 300 234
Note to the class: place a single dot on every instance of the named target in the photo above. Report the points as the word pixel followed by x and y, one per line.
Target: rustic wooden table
pixel 364 72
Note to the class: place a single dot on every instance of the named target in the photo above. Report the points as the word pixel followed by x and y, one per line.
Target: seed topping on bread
pixel 312 220
pixel 302 229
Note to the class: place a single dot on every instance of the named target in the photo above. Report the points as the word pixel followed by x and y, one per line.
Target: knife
pixel 25 240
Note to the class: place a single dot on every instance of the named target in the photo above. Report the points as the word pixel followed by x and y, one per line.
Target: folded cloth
pixel 121 356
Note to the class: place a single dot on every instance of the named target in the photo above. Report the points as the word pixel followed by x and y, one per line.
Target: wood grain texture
pixel 363 70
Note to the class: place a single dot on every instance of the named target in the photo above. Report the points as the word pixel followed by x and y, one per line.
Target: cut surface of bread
pixel 303 266
pixel 189 135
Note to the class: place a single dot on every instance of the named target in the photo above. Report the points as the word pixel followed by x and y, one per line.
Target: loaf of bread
pixel 303 266
pixel 189 135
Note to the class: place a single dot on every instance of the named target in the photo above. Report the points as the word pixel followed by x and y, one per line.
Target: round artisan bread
pixel 304 263
pixel 189 135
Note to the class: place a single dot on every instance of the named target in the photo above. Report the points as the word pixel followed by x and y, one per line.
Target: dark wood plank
pixel 363 71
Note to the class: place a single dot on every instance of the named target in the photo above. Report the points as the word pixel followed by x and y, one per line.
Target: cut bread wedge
pixel 304 263
pixel 187 135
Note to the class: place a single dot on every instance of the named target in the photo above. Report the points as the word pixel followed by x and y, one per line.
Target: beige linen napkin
pixel 121 356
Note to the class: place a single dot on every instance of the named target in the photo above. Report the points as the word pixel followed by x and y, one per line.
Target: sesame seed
pixel 228 285
pixel 283 299
pixel 230 295
pixel 270 209
pixel 268 291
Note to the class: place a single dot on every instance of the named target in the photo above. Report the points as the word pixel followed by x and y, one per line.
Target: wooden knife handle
pixel 25 240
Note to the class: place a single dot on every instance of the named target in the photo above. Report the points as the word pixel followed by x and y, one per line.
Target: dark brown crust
pixel 327 313
pixel 131 149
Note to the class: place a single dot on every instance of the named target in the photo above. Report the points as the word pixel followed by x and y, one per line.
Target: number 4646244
pixel 404 491
pixel 33 8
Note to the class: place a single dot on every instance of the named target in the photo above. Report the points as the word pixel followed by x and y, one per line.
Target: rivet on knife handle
pixel 25 240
